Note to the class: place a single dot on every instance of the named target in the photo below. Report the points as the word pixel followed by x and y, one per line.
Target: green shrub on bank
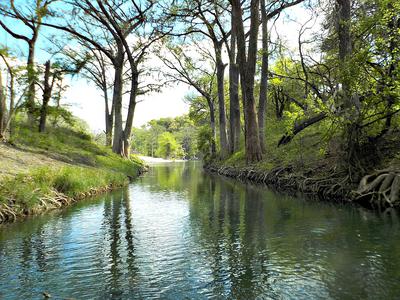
pixel 27 189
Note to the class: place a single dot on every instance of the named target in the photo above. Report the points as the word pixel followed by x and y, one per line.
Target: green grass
pixel 74 147
pixel 27 189
pixel 83 166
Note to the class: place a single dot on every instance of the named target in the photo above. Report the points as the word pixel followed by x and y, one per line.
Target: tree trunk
pixel 30 101
pixel 234 108
pixel 262 102
pixel 349 102
pixel 2 109
pixel 212 125
pixel 234 105
pixel 46 98
pixel 109 117
pixel 247 72
pixel 221 103
pixel 117 100
pixel 131 112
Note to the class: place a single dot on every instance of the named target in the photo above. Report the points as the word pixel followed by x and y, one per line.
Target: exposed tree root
pixel 334 186
pixel 381 189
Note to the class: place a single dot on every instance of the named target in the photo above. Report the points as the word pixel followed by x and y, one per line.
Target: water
pixel 178 233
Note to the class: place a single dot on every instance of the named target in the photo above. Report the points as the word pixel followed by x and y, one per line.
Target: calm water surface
pixel 178 233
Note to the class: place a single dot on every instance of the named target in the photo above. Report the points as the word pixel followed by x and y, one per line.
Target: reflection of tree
pixel 115 230
pixel 229 226
pixel 118 220
pixel 130 247
pixel 256 239
pixel 177 177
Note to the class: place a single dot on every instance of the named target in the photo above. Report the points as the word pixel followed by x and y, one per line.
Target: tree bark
pixel 109 117
pixel 300 126
pixel 262 102
pixel 247 72
pixel 117 100
pixel 234 104
pixel 221 103
pixel 3 112
pixel 212 125
pixel 46 97
pixel 350 103
pixel 30 101
pixel 131 112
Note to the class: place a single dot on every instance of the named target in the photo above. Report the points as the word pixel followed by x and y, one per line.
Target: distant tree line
pixel 171 138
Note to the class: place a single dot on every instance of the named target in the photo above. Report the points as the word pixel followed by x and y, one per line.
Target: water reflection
pixel 178 233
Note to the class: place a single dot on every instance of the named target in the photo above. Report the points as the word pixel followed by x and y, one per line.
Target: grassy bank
pixel 39 172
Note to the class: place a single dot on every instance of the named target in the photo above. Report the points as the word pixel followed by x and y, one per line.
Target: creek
pixel 180 233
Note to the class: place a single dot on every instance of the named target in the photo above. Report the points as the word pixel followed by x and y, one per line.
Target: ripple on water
pixel 180 234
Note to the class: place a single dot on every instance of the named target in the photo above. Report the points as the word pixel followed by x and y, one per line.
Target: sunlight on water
pixel 178 233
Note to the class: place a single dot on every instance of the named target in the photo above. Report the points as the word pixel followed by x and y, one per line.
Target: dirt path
pixel 15 161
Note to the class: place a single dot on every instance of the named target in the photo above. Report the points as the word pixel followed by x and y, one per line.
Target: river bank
pixel 41 172
pixel 377 190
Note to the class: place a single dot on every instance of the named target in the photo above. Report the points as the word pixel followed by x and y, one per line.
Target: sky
pixel 86 102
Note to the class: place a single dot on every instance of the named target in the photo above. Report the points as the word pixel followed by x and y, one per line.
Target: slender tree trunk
pixel 235 129
pixel 131 112
pixel 108 117
pixel 46 98
pixel 30 101
pixel 221 103
pixel 2 109
pixel 212 125
pixel 247 72
pixel 262 102
pixel 9 124
pixel 117 100
pixel 234 105
pixel 7 116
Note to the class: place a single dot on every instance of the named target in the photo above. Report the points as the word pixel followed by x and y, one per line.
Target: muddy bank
pixel 328 185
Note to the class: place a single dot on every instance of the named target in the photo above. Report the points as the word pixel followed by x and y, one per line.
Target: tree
pixel 168 146
pixel 205 19
pixel 200 76
pixel 52 75
pixel 7 112
pixel 234 102
pixel 247 67
pixel 267 13
pixel 31 18
pixel 97 68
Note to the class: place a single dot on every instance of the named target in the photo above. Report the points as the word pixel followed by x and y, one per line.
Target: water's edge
pixel 57 201
pixel 282 180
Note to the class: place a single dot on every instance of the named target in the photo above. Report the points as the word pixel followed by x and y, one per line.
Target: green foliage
pixel 204 138
pixel 167 138
pixel 168 147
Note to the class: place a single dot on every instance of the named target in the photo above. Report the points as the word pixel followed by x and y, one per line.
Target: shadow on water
pixel 178 233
